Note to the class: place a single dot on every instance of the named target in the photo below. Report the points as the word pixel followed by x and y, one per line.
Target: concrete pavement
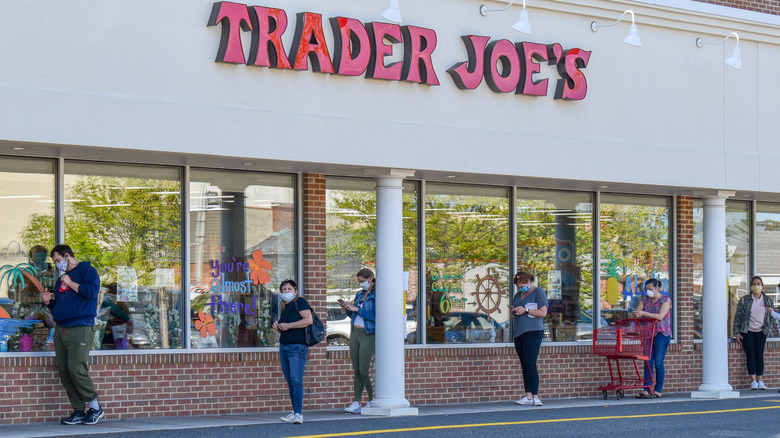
pixel 108 426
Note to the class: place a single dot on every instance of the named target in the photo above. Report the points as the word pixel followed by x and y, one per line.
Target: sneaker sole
pixel 70 423
pixel 96 420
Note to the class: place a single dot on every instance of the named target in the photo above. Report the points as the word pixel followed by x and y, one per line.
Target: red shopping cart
pixel 627 339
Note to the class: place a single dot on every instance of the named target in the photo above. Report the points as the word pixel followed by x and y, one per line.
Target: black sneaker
pixel 75 418
pixel 93 416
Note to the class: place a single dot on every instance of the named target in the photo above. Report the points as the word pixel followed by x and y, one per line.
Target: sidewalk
pixel 190 422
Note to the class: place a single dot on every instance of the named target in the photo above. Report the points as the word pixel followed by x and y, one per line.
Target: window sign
pixel 242 247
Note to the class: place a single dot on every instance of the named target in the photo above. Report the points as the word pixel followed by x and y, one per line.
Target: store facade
pixel 199 153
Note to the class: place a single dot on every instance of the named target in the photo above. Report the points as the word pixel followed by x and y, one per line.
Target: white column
pixel 715 363
pixel 389 393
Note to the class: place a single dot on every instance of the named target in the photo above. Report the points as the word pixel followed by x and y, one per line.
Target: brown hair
pixel 522 276
pixel 365 273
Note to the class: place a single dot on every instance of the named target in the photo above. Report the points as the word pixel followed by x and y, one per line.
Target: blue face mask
pixel 524 289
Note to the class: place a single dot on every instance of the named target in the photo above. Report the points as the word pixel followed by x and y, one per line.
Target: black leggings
pixel 527 347
pixel 753 343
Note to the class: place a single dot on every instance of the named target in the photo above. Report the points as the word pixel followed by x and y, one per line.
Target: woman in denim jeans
pixel 295 317
pixel 656 306
pixel 361 338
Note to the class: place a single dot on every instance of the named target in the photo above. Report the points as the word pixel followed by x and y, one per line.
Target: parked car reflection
pixel 465 327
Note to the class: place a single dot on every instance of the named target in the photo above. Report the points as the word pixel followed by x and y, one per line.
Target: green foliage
pixel 637 235
pixel 113 221
pixel 351 235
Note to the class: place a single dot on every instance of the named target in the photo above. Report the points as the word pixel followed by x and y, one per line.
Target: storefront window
pixel 555 243
pixel 737 257
pixel 26 236
pixel 467 278
pixel 768 251
pixel 351 245
pixel 242 246
pixel 635 246
pixel 126 221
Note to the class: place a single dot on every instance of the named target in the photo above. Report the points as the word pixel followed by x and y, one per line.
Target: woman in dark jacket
pixel 294 318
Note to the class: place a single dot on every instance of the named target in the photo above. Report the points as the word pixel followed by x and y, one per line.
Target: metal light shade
pixel 633 37
pixel 735 60
pixel 393 13
pixel 523 25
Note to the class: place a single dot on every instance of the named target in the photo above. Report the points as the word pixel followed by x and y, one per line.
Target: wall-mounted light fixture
pixel 633 36
pixel 522 25
pixel 393 13
pixel 735 60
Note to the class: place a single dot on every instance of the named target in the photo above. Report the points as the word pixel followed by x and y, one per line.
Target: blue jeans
pixel 293 359
pixel 656 362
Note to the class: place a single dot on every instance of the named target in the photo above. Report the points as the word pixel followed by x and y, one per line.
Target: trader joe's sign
pixel 360 50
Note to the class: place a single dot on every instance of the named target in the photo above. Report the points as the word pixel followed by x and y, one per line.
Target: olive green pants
pixel 361 351
pixel 71 348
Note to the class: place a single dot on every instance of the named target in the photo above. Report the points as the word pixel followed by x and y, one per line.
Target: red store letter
pixel 268 26
pixel 310 42
pixel 467 75
pixel 376 66
pixel 234 18
pixel 531 53
pixel 419 44
pixel 504 51
pixel 353 46
pixel 572 85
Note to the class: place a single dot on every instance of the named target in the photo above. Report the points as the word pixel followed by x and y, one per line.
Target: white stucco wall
pixel 141 75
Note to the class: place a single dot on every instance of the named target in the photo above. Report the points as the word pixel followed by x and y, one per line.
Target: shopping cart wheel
pixel 619 393
pixel 605 395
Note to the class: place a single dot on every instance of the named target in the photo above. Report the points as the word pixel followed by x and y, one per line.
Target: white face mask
pixel 649 293
pixel 62 265
pixel 288 296
pixel 365 285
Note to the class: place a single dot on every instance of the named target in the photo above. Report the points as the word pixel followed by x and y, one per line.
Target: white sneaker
pixel 354 408
pixel 298 419
pixel 754 385
pixel 525 401
pixel 368 404
pixel 537 401
pixel 761 385
pixel 288 418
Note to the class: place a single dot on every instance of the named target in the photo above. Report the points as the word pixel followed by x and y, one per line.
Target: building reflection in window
pixel 635 246
pixel 126 221
pixel 242 246
pixel 351 245
pixel 26 236
pixel 555 243
pixel 467 268
pixel 737 256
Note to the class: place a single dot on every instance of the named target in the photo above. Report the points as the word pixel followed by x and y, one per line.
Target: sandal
pixel 644 394
pixel 657 395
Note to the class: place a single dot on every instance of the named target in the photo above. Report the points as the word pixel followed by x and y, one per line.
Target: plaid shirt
pixel 742 316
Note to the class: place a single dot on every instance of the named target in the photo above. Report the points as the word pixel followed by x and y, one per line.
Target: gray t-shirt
pixel 525 323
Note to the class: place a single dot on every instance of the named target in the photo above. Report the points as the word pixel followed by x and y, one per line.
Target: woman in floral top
pixel 656 306
pixel 752 325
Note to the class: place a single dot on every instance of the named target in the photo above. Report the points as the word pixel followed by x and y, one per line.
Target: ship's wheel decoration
pixel 488 294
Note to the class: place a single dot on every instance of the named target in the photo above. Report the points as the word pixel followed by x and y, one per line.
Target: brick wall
pixel 765 6
pixel 202 383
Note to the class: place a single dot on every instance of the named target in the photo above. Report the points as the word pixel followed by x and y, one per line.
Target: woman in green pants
pixel 361 338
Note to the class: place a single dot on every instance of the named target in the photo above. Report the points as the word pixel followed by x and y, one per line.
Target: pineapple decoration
pixel 614 268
